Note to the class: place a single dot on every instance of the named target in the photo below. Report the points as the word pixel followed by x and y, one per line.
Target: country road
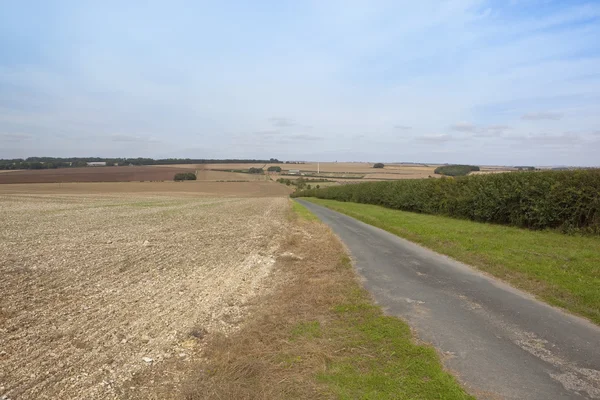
pixel 499 342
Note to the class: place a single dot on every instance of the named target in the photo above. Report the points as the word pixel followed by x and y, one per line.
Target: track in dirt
pixel 92 284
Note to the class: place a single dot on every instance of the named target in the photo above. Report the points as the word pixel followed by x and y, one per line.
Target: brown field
pixel 324 167
pixel 208 175
pixel 188 188
pixel 92 174
pixel 102 282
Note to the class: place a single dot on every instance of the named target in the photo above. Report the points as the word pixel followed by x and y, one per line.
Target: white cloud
pixel 391 71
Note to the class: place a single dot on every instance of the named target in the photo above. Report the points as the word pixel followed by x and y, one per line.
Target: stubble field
pixel 98 286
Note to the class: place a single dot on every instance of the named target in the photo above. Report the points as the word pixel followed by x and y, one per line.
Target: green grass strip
pixel 563 270
pixel 302 212
pixel 381 359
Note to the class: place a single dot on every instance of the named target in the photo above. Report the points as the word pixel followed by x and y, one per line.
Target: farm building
pixel 97 164
pixel 294 172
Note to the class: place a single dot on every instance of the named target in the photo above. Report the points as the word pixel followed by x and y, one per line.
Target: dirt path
pixel 97 288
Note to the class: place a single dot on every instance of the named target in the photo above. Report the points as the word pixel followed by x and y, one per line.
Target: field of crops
pixel 99 284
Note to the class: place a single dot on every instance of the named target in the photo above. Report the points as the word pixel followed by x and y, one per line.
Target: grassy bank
pixel 318 335
pixel 563 270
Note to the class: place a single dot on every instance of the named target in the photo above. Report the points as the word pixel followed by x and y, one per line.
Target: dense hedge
pixel 567 200
pixel 185 176
pixel 455 170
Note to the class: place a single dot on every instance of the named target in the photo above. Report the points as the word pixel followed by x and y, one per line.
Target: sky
pixel 458 81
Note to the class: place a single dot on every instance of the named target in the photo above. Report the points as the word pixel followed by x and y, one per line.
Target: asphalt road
pixel 499 342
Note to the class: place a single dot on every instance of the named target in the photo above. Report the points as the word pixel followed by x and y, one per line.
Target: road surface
pixel 499 342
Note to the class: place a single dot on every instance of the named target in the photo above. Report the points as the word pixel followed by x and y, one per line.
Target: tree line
pixel 76 162
pixel 565 200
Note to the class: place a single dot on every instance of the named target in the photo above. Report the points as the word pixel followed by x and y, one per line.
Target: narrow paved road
pixel 500 342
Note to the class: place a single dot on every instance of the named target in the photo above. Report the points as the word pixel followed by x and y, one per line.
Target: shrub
pixel 185 176
pixel 455 170
pixel 565 200
pixel 378 165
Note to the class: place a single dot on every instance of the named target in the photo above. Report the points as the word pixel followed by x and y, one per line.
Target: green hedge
pixel 455 170
pixel 185 176
pixel 565 200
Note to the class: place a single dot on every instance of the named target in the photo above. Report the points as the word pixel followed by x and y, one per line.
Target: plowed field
pixel 95 289
pixel 93 174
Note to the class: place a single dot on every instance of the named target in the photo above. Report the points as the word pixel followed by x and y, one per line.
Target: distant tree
pixel 318 186
pixel 378 165
pixel 185 176
pixel 256 170
pixel 274 168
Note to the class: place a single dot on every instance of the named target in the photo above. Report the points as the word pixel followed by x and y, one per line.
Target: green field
pixel 563 270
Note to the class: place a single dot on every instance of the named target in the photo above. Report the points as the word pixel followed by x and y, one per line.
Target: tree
pixel 378 165
pixel 274 168
pixel 256 171
pixel 185 176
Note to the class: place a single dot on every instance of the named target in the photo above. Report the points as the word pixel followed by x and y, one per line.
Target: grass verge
pixel 318 335
pixel 563 270
pixel 301 212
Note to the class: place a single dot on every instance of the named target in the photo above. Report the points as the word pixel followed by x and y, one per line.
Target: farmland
pixel 92 174
pixel 341 173
pixel 101 281
pixel 135 290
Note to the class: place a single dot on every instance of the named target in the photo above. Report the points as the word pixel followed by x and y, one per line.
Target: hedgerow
pixel 455 170
pixel 565 200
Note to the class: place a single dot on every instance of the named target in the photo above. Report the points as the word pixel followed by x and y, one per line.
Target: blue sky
pixel 465 81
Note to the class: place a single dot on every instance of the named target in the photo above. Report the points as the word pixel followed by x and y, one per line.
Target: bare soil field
pixel 210 175
pixel 187 188
pixel 93 174
pixel 102 282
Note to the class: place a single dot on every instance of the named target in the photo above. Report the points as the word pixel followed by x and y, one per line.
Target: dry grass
pixel 265 360
pixel 315 333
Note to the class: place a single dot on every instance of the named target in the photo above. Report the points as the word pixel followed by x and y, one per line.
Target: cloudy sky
pixel 459 81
